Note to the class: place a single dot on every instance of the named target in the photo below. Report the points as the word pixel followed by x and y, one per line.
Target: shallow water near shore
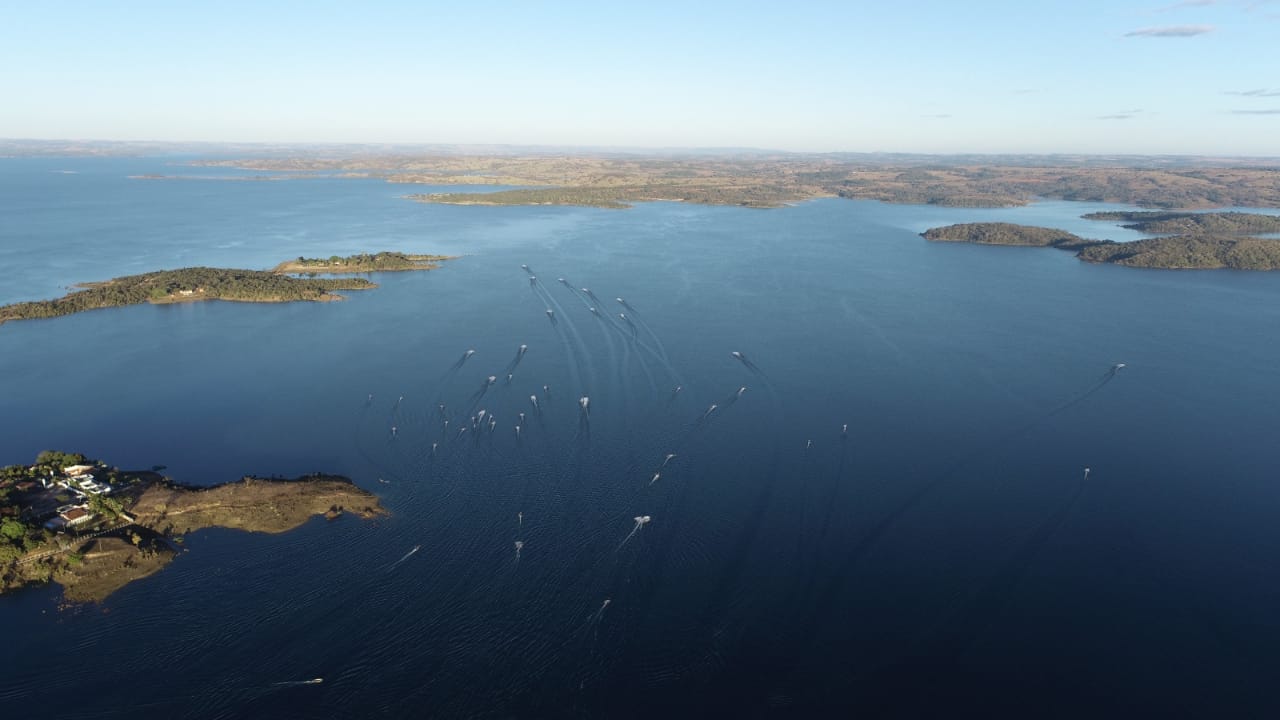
pixel 941 553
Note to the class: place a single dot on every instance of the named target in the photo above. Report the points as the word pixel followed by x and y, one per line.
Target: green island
pixel 1201 251
pixel 204 283
pixel 361 263
pixel 772 179
pixel 93 529
pixel 1000 233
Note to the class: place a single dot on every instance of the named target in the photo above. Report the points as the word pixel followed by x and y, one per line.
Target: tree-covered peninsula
pixel 1188 223
pixel 1204 251
pixel 93 528
pixel 193 284
pixel 1188 252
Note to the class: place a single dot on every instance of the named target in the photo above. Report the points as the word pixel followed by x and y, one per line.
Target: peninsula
pixel 1199 251
pixel 92 528
pixel 281 284
pixel 1188 223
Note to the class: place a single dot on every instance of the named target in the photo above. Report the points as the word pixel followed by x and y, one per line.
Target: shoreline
pixel 131 524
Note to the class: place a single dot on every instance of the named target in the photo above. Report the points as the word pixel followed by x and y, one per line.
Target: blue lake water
pixel 940 555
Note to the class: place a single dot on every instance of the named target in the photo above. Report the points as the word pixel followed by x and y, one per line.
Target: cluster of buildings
pixel 80 482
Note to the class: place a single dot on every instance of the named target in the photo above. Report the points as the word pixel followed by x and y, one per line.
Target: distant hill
pixel 615 180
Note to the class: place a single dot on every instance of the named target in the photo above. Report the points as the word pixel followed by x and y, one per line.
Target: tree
pixel 58 459
pixel 104 505
pixel 9 553
pixel 12 530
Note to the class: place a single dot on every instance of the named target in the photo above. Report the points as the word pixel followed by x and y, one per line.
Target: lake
pixel 892 518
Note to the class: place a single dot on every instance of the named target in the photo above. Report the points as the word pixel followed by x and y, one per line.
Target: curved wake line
pixel 628 338
pixel 661 349
pixel 576 345
pixel 571 357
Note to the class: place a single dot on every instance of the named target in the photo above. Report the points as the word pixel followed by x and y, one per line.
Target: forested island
pixel 204 283
pixel 771 179
pixel 999 233
pixel 92 528
pixel 361 263
pixel 1201 251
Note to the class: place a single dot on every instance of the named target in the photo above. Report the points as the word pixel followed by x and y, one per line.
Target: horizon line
pixel 628 149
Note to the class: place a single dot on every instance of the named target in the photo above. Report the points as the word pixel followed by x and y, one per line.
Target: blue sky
pixel 1086 76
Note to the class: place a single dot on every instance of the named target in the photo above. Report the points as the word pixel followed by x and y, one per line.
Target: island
pixel 361 263
pixel 282 284
pixel 93 529
pixel 999 233
pixel 1201 251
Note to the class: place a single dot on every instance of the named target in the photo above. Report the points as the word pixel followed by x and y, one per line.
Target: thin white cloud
pixel 1171 31
pixel 1121 115
pixel 1187 4
pixel 1259 92
pixel 1273 111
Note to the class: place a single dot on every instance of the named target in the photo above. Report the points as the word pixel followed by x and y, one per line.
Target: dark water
pixel 942 556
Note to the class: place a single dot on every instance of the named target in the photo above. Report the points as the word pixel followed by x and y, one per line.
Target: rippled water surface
pixel 890 519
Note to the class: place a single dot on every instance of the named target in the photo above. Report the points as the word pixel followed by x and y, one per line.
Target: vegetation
pixel 187 284
pixel 1181 223
pixel 19 533
pixel 1181 252
pixel 361 263
pixel 51 461
pixel 998 233
pixel 769 180
pixel 204 283
pixel 1187 252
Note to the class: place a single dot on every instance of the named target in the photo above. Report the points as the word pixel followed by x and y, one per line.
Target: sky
pixel 954 76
